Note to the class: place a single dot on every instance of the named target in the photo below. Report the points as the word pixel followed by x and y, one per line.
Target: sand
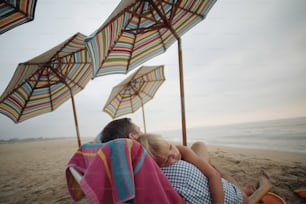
pixel 33 172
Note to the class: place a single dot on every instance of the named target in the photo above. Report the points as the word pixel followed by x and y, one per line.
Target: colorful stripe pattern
pixel 135 91
pixel 121 170
pixel 15 12
pixel 42 84
pixel 139 30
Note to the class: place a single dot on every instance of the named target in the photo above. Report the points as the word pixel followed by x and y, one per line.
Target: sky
pixel 244 62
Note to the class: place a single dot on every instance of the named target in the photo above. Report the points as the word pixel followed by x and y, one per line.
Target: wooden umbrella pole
pixel 182 91
pixel 72 100
pixel 144 120
pixel 168 25
pixel 75 119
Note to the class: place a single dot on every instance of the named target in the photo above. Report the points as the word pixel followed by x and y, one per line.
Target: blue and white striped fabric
pixel 193 186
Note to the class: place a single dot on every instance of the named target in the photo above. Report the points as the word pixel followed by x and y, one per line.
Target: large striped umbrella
pixel 42 84
pixel 15 12
pixel 139 30
pixel 133 92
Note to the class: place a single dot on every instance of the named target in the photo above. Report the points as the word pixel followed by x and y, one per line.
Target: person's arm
pixel 214 178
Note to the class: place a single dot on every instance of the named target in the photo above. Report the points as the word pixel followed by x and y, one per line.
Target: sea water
pixel 282 135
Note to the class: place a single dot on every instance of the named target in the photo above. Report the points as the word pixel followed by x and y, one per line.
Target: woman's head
pixel 161 151
pixel 120 128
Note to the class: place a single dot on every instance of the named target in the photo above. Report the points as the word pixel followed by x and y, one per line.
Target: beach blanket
pixel 119 171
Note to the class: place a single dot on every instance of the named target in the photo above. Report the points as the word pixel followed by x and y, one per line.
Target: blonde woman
pixel 196 185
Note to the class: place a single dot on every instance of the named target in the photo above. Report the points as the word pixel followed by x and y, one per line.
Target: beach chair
pixel 75 183
pixel 105 177
pixel 77 177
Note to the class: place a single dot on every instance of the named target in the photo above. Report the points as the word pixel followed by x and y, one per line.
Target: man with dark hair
pixel 120 128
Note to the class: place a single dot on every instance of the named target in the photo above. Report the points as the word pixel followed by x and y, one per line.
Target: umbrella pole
pixel 182 91
pixel 168 25
pixel 75 120
pixel 144 120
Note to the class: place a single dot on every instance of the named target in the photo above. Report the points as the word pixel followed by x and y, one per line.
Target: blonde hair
pixel 155 145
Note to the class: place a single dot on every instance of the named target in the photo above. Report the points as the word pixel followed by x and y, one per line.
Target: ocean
pixel 282 135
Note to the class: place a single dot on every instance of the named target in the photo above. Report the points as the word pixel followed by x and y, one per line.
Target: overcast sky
pixel 245 62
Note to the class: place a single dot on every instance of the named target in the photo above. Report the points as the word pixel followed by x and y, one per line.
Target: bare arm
pixel 214 178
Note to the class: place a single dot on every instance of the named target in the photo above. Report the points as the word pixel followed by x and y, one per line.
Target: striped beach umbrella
pixel 15 12
pixel 139 30
pixel 42 84
pixel 133 92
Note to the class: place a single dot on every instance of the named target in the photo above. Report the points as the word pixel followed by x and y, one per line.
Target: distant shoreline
pixel 281 135
pixel 32 139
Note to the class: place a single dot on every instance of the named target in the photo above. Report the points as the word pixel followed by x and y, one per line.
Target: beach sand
pixel 34 171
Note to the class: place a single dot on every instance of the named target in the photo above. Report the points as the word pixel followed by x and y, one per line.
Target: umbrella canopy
pixel 133 92
pixel 15 12
pixel 42 84
pixel 139 30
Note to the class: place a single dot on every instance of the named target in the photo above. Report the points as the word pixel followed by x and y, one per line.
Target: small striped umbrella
pixel 133 92
pixel 139 30
pixel 42 84
pixel 15 12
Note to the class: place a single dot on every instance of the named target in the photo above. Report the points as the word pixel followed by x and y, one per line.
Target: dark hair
pixel 120 128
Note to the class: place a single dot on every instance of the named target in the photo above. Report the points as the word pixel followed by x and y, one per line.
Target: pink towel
pixel 121 170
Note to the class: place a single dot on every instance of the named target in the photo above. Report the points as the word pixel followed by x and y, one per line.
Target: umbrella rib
pixel 20 85
pixel 48 65
pixel 144 30
pixel 50 93
pixel 138 30
pixel 64 82
pixel 12 91
pixel 131 104
pixel 173 11
pixel 73 81
pixel 146 93
pixel 29 96
pixel 117 108
pixel 65 77
pixel 68 41
pixel 166 22
pixel 135 36
pixel 159 33
pixel 140 15
pixel 60 78
pixel 140 100
pixel 71 54
pixel 127 9
pixel 156 26
pixel 176 7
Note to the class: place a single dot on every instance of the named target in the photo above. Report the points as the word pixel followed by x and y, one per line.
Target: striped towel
pixel 80 161
pixel 119 171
